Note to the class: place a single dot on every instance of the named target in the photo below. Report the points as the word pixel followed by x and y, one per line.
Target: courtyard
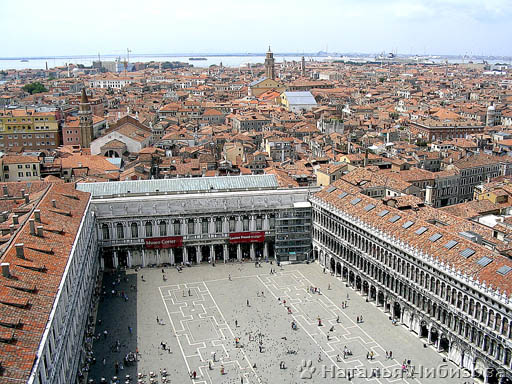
pixel 232 323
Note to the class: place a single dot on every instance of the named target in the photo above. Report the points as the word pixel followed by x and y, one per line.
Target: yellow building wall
pixel 322 179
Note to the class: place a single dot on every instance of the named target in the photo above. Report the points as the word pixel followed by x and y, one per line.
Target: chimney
pixel 19 251
pixel 6 191
pixel 54 203
pixel 22 193
pixel 40 231
pixel 15 219
pixel 27 199
pixel 37 215
pixel 32 226
pixel 5 270
pixel 11 229
pixel 5 215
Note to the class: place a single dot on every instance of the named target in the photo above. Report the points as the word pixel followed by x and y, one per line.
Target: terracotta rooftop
pixel 27 296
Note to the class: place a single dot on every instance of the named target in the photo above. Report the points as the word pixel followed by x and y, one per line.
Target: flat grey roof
pixel 189 184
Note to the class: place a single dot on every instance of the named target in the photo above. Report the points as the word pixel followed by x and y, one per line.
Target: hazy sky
pixel 58 27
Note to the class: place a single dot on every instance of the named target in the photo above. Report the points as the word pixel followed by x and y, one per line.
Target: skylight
pixel 369 207
pixel 355 201
pixel 504 270
pixel 421 230
pixel 331 189
pixel 468 252
pixel 451 244
pixel 435 237
pixel 484 261
pixel 342 195
pixel 394 219
pixel 407 224
pixel 383 213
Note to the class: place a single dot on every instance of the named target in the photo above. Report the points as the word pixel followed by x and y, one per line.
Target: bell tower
pixel 269 65
pixel 85 120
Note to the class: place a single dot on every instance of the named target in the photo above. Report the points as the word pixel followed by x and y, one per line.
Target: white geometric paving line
pixel 276 285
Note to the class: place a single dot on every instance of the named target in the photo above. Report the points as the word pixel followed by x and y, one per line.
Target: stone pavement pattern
pixel 201 312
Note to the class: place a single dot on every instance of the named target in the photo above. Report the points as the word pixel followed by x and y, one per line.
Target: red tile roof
pixel 27 297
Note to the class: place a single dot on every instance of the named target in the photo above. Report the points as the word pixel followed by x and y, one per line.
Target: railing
pixel 191 237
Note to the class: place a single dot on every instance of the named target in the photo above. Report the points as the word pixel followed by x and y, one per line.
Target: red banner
pixel 163 242
pixel 246 237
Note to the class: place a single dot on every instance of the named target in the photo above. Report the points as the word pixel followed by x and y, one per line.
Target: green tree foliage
pixel 33 88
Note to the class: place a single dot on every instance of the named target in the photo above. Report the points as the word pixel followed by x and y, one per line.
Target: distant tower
pixel 85 123
pixel 269 65
pixel 491 116
pixel 303 67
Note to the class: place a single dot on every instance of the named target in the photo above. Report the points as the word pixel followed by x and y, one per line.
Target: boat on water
pixel 24 61
pixel 197 58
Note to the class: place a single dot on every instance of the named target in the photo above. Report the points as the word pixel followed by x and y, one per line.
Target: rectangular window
pixel 259 223
pixel 177 228
pixel 204 226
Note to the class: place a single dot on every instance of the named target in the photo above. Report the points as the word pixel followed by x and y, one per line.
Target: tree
pixel 33 88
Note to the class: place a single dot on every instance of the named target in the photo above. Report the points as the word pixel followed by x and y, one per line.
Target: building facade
pixel 20 168
pixel 29 129
pixel 451 292
pixel 196 220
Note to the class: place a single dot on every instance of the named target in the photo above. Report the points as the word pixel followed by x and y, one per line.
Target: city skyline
pixel 450 27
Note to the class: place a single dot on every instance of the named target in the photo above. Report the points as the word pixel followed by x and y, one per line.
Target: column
pixel 115 261
pixel 158 257
pixel 171 250
pixel 185 255
pixel 183 227
pixel 199 255
pixel 212 253
pixel 225 252
pixel 429 335
pixel 238 224
pixel 239 252
pixel 129 259
pixel 253 254
pixel 197 227
pixel 265 223
pixel 143 258
pixel 102 263
pixel 211 228
pixel 225 224
pixel 252 223
pixel 265 251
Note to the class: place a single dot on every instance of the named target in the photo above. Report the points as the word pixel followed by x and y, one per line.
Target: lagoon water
pixel 229 61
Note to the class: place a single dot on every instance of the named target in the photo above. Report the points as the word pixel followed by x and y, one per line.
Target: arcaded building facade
pixel 451 292
pixel 194 220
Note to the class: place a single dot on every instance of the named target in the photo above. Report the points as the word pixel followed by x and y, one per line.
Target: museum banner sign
pixel 163 242
pixel 247 237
